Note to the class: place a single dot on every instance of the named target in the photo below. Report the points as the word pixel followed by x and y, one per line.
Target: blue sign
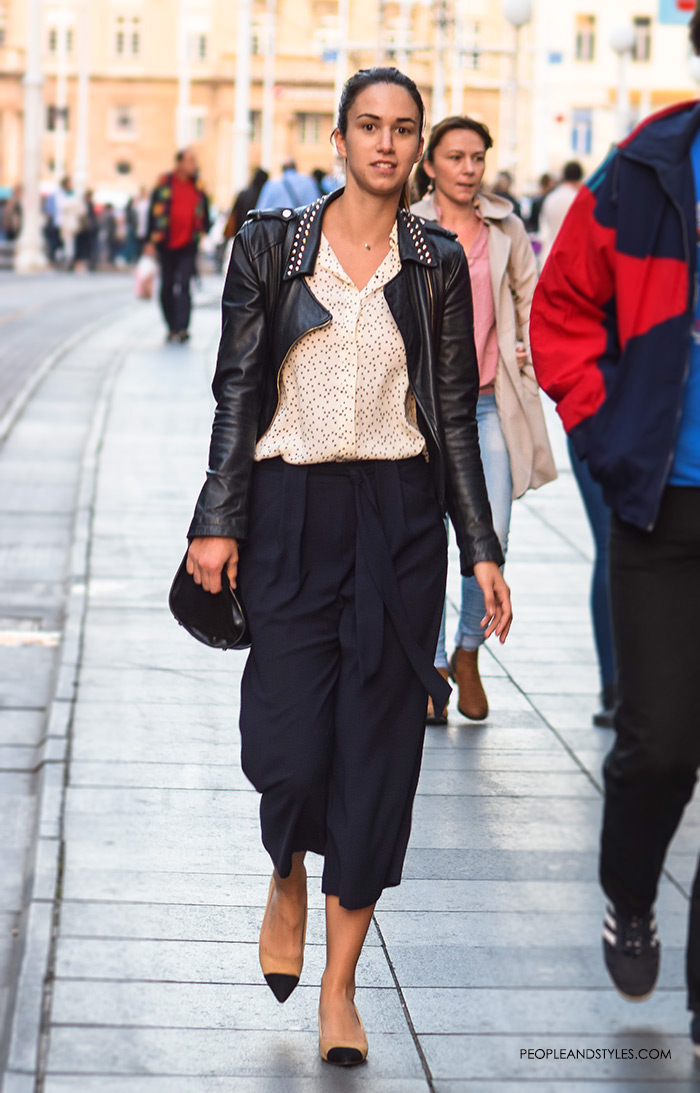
pixel 555 58
pixel 676 12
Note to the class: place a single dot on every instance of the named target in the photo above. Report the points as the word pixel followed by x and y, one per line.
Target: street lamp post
pixel 183 87
pixel 81 140
pixel 441 21
pixel 241 117
pixel 61 108
pixel 518 13
pixel 268 113
pixel 29 252
pixel 622 42
pixel 341 55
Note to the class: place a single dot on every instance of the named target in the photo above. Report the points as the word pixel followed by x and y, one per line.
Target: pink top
pixel 485 336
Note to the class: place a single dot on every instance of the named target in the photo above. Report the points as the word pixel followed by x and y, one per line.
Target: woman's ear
pixel 339 142
pixel 429 169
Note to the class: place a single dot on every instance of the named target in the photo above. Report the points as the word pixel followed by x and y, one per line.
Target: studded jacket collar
pixel 268 308
pixel 414 244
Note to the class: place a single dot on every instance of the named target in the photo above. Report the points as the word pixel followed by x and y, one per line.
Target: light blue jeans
pixel 499 486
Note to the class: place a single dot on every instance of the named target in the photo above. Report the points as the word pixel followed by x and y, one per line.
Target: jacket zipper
pixel 326 322
pixel 430 291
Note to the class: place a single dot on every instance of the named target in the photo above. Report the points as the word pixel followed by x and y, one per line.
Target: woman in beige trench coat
pixel 515 448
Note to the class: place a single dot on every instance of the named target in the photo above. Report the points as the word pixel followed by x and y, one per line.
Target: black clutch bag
pixel 217 620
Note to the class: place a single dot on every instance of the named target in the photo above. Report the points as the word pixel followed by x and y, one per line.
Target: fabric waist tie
pixel 376 586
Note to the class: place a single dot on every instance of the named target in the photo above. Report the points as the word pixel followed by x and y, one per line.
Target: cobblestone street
pixel 133 880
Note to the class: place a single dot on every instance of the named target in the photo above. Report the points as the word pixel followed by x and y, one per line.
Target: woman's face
pixel 383 140
pixel 458 166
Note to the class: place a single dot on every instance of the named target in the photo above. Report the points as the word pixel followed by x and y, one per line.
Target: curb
pixel 33 992
pixel 20 400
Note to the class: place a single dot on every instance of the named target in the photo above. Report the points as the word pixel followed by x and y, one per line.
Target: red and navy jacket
pixel 611 316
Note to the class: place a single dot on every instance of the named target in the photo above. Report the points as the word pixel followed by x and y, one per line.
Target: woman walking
pixel 346 383
pixel 514 446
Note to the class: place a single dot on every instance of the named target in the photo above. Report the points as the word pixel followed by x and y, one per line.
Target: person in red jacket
pixel 179 215
pixel 615 334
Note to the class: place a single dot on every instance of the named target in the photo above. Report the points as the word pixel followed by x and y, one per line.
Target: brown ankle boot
pixel 464 670
pixel 431 718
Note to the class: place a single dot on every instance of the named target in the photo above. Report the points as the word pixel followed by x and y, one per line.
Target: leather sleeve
pixel 458 390
pixel 223 503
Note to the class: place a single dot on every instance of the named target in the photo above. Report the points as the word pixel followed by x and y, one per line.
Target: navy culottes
pixel 343 577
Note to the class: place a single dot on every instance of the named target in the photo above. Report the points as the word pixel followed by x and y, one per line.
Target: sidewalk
pixel 489 948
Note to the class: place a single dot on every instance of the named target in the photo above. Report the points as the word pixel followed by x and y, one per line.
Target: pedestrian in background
pixel 318 468
pixel 616 340
pixel 11 223
pixel 292 189
pixel 86 243
pixel 70 217
pixel 246 200
pixel 142 205
pixel 545 186
pixel 178 217
pixel 513 438
pixel 109 233
pixel 556 205
pixel 503 187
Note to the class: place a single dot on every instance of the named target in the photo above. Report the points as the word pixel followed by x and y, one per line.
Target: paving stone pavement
pixel 490 949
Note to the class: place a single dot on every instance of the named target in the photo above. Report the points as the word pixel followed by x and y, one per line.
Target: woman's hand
pixel 499 613
pixel 207 558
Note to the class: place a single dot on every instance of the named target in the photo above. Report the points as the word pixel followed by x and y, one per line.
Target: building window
pixel 585 38
pixel 3 26
pixel 54 41
pixel 201 47
pixel 582 131
pixel 642 38
pixel 54 114
pixel 256 126
pixel 197 128
pixel 126 36
pixel 122 123
pixel 309 128
pixel 123 167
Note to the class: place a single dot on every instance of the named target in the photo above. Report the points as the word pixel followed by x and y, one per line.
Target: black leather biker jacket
pixel 268 307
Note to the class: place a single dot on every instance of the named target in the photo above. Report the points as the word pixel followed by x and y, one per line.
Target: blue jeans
pixel 499 486
pixel 598 515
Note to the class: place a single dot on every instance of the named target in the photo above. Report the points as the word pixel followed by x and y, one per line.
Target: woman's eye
pixel 368 125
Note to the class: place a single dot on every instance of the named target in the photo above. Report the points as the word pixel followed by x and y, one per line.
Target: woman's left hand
pixel 499 613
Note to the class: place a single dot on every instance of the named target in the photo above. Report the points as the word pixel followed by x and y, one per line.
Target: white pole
pixel 183 87
pixel 457 100
pixel 341 55
pixel 241 118
pixel 81 140
pixel 29 252
pixel 379 50
pixel 514 117
pixel 59 168
pixel 623 96
pixel 404 35
pixel 438 105
pixel 268 114
pixel 622 41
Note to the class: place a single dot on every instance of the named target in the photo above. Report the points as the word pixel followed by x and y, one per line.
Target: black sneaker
pixel 695 1033
pixel 632 953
